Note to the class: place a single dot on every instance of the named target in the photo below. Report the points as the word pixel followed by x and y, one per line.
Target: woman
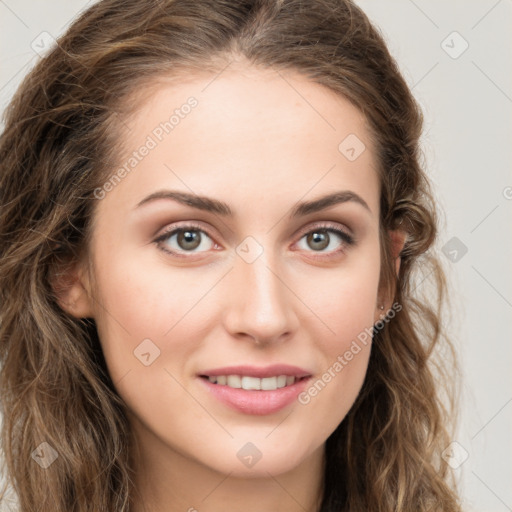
pixel 212 217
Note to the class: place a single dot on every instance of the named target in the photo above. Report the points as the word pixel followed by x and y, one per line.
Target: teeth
pixel 253 383
pixel 250 383
pixel 269 383
pixel 234 381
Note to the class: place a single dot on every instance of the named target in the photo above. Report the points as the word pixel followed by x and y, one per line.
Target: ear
pixel 398 239
pixel 71 286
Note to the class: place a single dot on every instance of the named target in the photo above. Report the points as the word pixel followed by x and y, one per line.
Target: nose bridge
pixel 260 304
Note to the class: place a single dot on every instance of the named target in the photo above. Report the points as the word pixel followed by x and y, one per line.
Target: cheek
pixel 349 307
pixel 139 302
pixel 349 314
pixel 146 327
pixel 345 302
pixel 344 299
pixel 345 354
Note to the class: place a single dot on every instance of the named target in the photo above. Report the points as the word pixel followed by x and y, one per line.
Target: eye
pixel 193 239
pixel 326 238
pixel 189 238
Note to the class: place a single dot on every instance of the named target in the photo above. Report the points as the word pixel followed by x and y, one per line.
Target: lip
pixel 260 372
pixel 256 402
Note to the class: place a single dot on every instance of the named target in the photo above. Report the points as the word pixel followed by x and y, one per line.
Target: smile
pixel 253 383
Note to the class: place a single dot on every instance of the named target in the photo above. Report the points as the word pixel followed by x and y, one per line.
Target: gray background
pixel 466 96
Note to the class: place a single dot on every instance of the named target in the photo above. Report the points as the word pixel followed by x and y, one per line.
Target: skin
pixel 259 141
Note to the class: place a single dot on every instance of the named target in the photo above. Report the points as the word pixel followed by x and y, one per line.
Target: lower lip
pixel 254 401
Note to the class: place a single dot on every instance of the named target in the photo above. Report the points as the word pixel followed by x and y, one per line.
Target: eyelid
pixel 327 225
pixel 171 228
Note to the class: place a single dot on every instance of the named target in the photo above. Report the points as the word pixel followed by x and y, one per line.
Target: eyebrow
pixel 219 207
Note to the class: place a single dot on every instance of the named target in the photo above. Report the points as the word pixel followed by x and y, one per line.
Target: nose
pixel 260 304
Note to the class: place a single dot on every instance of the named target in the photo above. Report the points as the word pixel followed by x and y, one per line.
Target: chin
pixel 258 459
pixel 276 465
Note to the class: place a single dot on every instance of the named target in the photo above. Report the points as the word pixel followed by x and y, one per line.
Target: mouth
pixel 255 390
pixel 254 383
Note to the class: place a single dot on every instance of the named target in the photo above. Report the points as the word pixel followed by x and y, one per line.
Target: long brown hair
pixel 61 141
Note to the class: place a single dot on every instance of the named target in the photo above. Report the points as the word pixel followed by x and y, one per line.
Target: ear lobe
pixel 69 285
pixel 398 239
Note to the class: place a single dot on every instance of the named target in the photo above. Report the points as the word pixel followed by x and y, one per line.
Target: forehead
pixel 251 135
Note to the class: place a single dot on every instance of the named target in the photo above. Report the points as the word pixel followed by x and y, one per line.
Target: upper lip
pixel 261 371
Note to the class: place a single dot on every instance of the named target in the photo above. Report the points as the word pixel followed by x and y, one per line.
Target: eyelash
pixel 347 240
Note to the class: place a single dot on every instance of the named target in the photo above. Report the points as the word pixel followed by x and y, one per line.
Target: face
pixel 215 266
